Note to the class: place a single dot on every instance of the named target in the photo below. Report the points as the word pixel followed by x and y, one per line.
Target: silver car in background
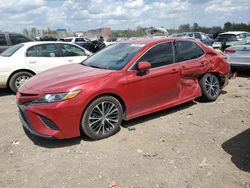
pixel 239 54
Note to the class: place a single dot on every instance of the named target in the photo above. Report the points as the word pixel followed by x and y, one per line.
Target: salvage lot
pixel 192 145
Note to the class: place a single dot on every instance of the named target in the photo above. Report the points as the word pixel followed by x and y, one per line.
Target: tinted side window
pixel 70 50
pixel 187 50
pixel 159 55
pixel 3 40
pixel 17 39
pixel 44 50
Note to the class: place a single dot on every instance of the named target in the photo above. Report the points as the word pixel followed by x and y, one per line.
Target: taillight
pixel 229 51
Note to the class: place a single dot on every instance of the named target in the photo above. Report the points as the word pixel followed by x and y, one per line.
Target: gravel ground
pixel 192 145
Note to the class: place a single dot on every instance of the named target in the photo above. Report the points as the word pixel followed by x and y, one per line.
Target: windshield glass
pixel 10 51
pixel 114 57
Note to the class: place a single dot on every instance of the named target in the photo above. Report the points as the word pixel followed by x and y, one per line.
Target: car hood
pixel 62 78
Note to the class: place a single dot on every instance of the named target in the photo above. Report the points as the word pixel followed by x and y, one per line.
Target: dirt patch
pixel 192 145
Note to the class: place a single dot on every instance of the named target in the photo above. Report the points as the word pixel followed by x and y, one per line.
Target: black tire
pixel 97 123
pixel 13 83
pixel 210 86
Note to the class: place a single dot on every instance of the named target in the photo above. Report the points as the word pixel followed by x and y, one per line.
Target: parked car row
pixel 236 45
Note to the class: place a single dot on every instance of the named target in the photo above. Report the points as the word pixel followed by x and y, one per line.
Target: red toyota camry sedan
pixel 123 81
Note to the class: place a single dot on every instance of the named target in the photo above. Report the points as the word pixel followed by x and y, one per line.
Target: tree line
pixel 228 26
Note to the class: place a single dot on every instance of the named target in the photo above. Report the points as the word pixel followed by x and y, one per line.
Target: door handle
pixel 70 60
pixel 32 62
pixel 173 71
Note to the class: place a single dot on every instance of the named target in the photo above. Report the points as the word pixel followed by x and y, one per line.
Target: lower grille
pixel 48 123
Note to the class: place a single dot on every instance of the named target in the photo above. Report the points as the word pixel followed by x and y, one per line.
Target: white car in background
pixel 22 61
pixel 230 38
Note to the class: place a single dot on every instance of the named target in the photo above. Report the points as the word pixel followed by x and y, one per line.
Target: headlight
pixel 56 97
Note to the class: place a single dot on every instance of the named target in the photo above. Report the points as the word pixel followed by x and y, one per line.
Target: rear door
pixel 44 56
pixel 193 64
pixel 72 53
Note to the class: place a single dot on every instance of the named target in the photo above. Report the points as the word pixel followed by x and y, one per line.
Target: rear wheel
pixel 102 118
pixel 210 86
pixel 18 79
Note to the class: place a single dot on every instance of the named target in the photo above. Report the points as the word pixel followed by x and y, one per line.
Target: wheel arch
pixel 16 71
pixel 116 96
pixel 218 75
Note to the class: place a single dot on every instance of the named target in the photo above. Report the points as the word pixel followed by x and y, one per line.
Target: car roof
pixel 233 32
pixel 45 42
pixel 155 40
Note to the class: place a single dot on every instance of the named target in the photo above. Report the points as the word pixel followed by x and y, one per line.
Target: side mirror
pixel 144 66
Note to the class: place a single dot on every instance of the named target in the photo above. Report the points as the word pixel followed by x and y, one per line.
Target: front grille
pixel 28 94
pixel 48 123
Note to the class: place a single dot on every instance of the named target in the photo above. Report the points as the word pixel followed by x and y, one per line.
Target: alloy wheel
pixel 212 85
pixel 103 117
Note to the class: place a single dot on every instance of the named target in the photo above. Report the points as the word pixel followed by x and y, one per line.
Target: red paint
pixel 158 89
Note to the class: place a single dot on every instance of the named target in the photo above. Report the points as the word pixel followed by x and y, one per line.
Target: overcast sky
pixel 81 15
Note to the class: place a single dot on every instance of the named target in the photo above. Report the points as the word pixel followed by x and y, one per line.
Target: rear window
pixel 226 37
pixel 10 51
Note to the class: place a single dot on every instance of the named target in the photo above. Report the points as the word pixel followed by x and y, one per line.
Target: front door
pixel 72 53
pixel 157 87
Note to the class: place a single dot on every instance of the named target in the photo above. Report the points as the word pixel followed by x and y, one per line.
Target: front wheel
pixel 102 118
pixel 210 86
pixel 18 79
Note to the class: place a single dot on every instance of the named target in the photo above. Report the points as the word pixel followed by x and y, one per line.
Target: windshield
pixel 10 51
pixel 114 57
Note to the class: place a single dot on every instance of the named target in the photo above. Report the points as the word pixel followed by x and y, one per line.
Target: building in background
pixel 61 33
pixel 95 33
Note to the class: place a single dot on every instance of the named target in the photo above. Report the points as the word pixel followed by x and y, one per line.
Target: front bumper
pixel 53 120
pixel 27 125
